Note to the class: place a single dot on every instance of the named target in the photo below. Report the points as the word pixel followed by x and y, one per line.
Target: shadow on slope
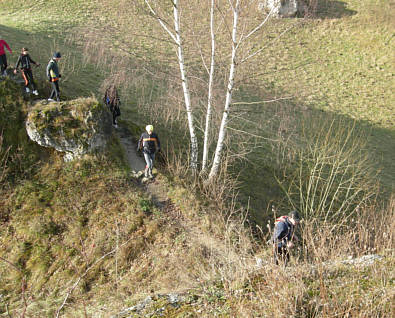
pixel 282 128
pixel 330 9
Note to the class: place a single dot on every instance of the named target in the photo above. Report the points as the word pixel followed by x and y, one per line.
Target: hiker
pixel 112 100
pixel 283 236
pixel 150 144
pixel 3 57
pixel 54 76
pixel 26 69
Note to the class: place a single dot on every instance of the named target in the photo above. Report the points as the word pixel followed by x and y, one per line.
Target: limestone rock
pixel 77 127
pixel 283 8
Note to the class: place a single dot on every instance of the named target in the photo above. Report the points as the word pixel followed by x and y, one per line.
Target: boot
pixel 146 172
pixel 150 175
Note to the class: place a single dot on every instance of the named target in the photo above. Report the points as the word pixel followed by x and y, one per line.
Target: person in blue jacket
pixel 284 235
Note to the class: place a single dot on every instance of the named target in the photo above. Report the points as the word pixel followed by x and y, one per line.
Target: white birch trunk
pixel 224 122
pixel 206 145
pixel 187 97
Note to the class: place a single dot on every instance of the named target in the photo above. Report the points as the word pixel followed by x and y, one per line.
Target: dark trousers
pixel 55 91
pixel 114 117
pixel 3 63
pixel 115 111
pixel 27 75
pixel 281 254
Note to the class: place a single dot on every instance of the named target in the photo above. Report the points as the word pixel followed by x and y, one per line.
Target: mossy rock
pixel 76 127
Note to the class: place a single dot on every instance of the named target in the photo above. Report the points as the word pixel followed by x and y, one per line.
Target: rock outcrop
pixel 77 127
pixel 284 8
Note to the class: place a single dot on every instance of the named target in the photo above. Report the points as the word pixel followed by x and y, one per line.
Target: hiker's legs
pixel 55 91
pixel 3 63
pixel 114 118
pixel 30 80
pixel 149 159
pixel 24 76
pixel 148 165
pixel 152 157
pixel 281 255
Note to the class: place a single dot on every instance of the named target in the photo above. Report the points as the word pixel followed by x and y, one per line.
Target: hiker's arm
pixel 17 63
pixel 139 144
pixel 33 62
pixel 157 143
pixel 49 67
pixel 7 46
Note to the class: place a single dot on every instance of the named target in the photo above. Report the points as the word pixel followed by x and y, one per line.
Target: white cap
pixel 149 128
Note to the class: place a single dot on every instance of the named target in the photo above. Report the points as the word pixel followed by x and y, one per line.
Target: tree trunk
pixel 187 98
pixel 221 138
pixel 206 145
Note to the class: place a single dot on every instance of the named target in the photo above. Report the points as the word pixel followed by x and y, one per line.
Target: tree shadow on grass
pixel 329 9
pixel 259 171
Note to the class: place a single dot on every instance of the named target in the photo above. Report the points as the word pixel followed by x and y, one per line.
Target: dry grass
pixel 54 231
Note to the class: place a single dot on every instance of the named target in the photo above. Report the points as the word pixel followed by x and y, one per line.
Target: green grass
pixel 59 218
pixel 44 27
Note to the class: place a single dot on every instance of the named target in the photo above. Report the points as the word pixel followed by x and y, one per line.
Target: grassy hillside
pixel 82 239
pixel 336 65
pixel 85 234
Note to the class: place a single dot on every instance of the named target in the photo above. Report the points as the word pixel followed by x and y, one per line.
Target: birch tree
pixel 177 39
pixel 206 145
pixel 237 40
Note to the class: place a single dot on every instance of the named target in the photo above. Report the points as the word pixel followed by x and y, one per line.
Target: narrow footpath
pixel 154 188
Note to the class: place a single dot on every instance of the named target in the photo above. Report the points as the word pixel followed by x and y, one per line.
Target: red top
pixel 2 44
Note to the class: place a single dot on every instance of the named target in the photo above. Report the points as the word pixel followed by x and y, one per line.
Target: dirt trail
pixel 153 187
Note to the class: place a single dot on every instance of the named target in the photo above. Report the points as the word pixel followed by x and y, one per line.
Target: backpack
pixel 283 218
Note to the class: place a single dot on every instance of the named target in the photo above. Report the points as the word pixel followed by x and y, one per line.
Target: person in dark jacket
pixel 3 57
pixel 112 100
pixel 150 144
pixel 25 62
pixel 54 76
pixel 284 235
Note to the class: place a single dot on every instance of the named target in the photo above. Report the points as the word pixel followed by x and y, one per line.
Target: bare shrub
pixel 332 176
pixel 4 154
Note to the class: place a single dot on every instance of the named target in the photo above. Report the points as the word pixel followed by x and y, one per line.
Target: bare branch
pixel 161 21
pixel 261 49
pixel 264 101
pixel 260 25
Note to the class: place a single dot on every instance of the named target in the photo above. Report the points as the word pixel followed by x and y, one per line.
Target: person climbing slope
pixel 112 100
pixel 149 143
pixel 25 61
pixel 54 76
pixel 283 236
pixel 3 57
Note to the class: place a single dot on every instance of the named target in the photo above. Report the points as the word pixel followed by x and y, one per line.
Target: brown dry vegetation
pixel 88 223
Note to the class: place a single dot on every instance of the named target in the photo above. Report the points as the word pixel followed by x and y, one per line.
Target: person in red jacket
pixel 3 57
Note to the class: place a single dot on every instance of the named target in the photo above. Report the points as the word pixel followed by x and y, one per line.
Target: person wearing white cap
pixel 149 143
